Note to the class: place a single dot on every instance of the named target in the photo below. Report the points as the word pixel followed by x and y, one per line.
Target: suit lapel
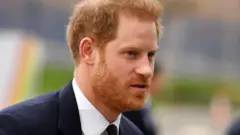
pixel 123 130
pixel 68 117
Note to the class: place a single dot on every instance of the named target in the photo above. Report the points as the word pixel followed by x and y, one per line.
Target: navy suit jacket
pixel 55 113
pixel 142 119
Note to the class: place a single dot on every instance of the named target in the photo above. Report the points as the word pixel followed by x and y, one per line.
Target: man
pixel 113 43
pixel 142 118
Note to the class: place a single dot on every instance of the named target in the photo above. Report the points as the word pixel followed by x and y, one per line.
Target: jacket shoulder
pixel 10 125
pixel 30 114
pixel 129 127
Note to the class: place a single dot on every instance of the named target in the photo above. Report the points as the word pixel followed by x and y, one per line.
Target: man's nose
pixel 145 68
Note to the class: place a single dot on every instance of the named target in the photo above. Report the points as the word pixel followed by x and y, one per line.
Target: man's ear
pixel 86 50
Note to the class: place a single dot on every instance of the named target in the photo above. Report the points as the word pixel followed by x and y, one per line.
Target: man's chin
pixel 135 105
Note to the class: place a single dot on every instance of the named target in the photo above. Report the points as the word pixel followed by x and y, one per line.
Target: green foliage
pixel 53 78
pixel 197 91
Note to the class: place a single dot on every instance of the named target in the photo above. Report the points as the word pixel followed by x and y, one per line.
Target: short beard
pixel 104 86
pixel 110 92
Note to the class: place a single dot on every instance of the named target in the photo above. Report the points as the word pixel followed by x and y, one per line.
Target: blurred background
pixel 199 52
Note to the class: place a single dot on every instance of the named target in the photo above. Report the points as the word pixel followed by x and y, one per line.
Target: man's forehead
pixel 135 26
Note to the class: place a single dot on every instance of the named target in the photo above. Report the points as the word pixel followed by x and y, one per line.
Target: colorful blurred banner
pixel 20 58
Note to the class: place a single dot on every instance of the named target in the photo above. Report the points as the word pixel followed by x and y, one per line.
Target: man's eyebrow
pixel 155 49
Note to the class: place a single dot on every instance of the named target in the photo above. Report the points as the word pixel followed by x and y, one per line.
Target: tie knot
pixel 112 129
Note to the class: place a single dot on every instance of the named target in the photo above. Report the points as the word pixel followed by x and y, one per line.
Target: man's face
pixel 123 75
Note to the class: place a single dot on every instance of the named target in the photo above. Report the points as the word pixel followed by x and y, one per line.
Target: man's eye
pixel 132 53
pixel 151 54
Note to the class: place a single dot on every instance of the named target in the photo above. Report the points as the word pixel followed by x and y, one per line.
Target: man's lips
pixel 140 87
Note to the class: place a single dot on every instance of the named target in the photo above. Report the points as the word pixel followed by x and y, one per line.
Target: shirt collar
pixel 89 116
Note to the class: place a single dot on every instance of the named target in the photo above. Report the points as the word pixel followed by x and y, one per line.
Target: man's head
pixel 114 41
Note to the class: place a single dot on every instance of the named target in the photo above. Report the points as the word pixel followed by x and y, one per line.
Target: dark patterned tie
pixel 112 130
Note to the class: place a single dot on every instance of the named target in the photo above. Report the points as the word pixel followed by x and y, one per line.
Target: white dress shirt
pixel 92 121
